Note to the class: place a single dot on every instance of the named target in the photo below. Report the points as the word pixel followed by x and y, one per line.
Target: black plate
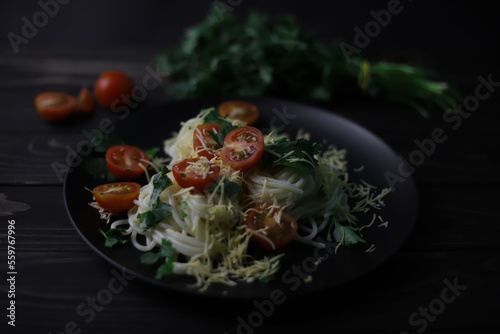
pixel 149 128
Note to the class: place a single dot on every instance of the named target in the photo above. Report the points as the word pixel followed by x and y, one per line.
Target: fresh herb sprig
pixel 345 235
pixel 159 210
pixel 214 117
pixel 223 185
pixel 281 59
pixel 151 218
pixel 114 236
pixel 298 153
pixel 101 141
pixel 166 251
pixel 98 169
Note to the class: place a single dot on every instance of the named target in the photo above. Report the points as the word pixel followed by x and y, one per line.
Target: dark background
pixel 452 36
pixel 458 224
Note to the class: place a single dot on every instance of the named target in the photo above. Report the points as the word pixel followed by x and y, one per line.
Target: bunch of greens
pixel 261 57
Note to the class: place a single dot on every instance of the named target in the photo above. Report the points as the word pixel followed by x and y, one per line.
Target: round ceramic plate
pixel 300 271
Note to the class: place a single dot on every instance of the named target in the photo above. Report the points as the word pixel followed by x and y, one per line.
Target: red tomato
pixel 117 197
pixel 85 101
pixel 203 143
pixel 241 110
pixel 123 161
pixel 243 147
pixel 55 106
pixel 112 88
pixel 276 234
pixel 197 173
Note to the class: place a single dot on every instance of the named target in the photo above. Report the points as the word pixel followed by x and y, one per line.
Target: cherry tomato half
pixel 240 110
pixel 243 147
pixel 203 142
pixel 55 106
pixel 85 101
pixel 197 173
pixel 117 197
pixel 112 88
pixel 276 234
pixel 123 161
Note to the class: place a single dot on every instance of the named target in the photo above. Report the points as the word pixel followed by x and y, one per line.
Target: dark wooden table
pixel 444 280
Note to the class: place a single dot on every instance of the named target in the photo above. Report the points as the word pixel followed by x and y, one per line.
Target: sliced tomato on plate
pixel 243 147
pixel 123 161
pixel 117 197
pixel 240 110
pixel 197 173
pixel 272 229
pixel 203 142
pixel 55 106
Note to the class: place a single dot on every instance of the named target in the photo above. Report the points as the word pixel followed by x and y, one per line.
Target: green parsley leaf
pixel 346 235
pixel 151 218
pixel 213 117
pixel 183 208
pixel 230 188
pixel 150 258
pixel 160 182
pixel 267 279
pixel 114 236
pixel 148 220
pixel 166 251
pixel 166 248
pixel 160 210
pixel 165 269
pixel 298 153
pixel 222 133
pixel 151 153
pixel 97 168
pixel 102 141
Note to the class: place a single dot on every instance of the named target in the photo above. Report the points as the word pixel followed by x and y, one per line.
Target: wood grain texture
pixel 384 300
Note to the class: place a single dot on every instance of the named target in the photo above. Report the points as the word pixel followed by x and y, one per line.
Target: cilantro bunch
pixel 264 57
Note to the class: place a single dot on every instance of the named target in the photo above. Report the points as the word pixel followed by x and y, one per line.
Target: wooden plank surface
pixel 385 299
